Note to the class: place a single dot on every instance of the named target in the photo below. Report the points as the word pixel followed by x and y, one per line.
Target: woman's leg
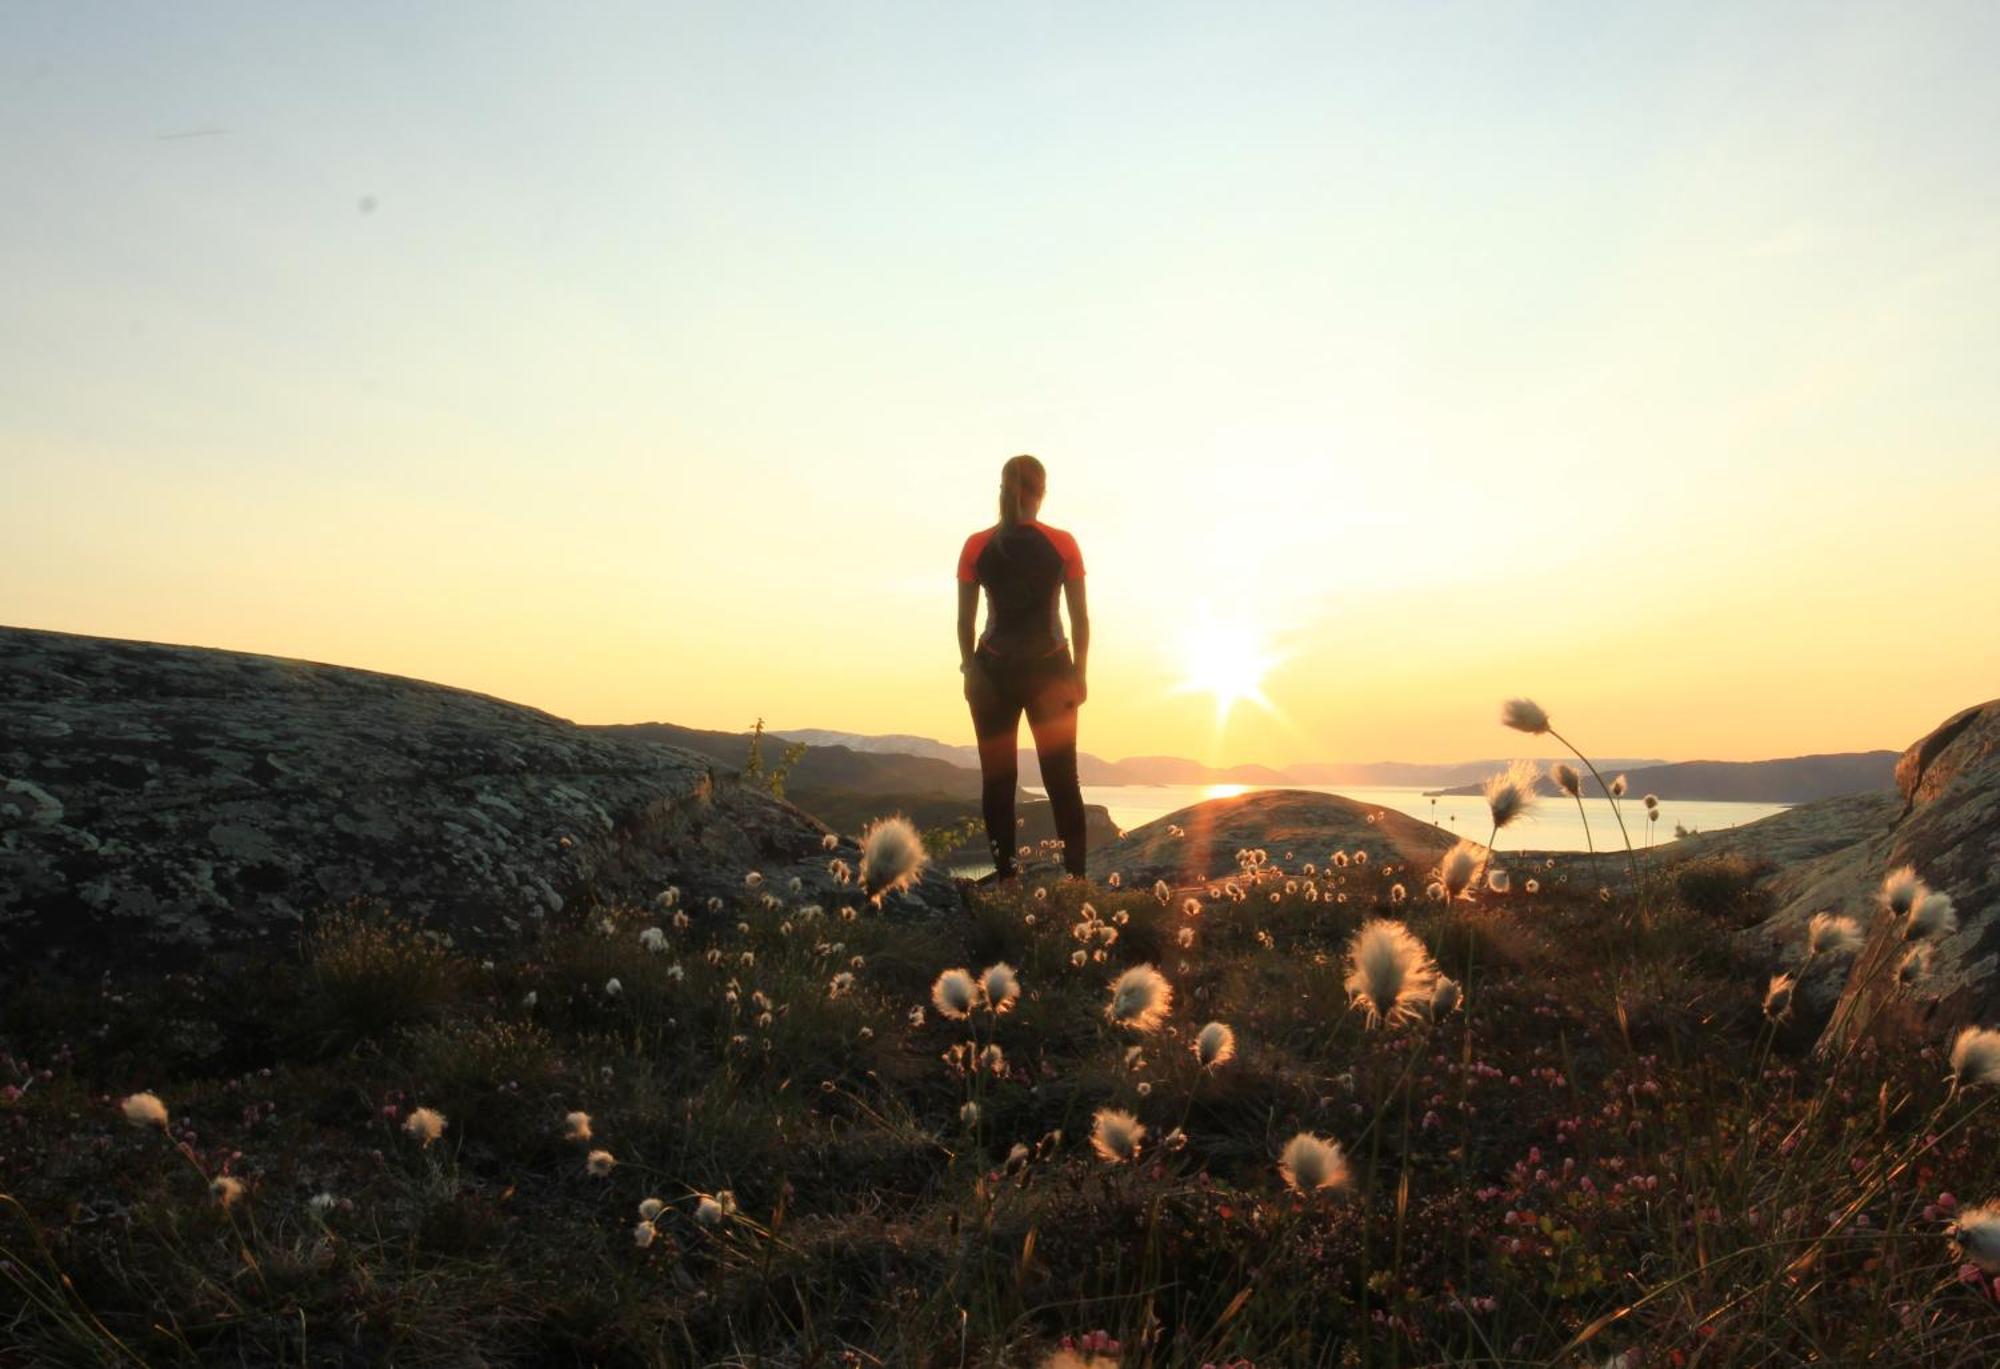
pixel 996 721
pixel 1051 706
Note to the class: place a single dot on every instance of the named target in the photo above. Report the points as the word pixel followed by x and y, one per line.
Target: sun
pixel 1228 659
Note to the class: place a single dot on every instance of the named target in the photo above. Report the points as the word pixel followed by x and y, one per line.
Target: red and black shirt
pixel 1022 569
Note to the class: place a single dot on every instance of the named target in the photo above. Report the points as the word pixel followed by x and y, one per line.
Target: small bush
pixel 1725 888
pixel 370 973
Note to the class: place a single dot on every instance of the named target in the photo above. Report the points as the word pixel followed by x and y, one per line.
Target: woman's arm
pixel 968 609
pixel 1079 632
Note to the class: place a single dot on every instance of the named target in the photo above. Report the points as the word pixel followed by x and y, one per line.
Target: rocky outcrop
pixel 161 800
pixel 1831 856
pixel 1200 843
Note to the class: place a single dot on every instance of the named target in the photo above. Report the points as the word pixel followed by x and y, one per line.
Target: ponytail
pixel 1020 478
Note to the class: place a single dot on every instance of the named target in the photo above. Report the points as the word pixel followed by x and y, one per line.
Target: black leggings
pixel 1000 689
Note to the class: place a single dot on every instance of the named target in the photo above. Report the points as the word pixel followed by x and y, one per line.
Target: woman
pixel 1022 662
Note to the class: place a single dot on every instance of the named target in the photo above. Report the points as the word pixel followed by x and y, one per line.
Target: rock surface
pixel 162 800
pixel 1832 856
pixel 1310 825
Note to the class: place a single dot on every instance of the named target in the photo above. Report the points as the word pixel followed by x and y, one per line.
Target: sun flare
pixel 1227 659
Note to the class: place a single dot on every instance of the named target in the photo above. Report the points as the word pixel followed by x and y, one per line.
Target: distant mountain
pixel 1798 779
pixel 846 788
pixel 897 743
pixel 1408 773
pixel 1179 769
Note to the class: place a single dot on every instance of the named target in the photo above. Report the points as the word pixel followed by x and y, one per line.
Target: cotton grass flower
pixel 653 939
pixel 708 1212
pixel 1459 867
pixel 999 986
pixel 424 1125
pixel 1511 793
pixel 1524 715
pixel 1390 973
pixel 1309 1164
pixel 1933 916
pixel 1141 998
pixel 1976 1233
pixel 892 856
pixel 1901 889
pixel 1975 1056
pixel 145 1110
pixel 1445 996
pixel 1567 779
pixel 576 1126
pixel 612 988
pixel 1831 934
pixel 1915 966
pixel 840 985
pixel 1497 880
pixel 650 1210
pixel 1116 1135
pixel 1214 1046
pixel 225 1191
pixel 955 994
pixel 599 1163
pixel 1778 997
pixel 968 1116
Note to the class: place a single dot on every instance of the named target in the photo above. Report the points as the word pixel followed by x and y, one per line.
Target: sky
pixel 654 362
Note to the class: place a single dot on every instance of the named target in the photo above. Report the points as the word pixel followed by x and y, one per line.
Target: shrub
pixel 369 973
pixel 1725 888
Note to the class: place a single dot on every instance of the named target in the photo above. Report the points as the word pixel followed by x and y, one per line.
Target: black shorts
pixel 1004 687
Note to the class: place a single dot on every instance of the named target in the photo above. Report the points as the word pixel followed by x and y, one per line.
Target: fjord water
pixel 1553 824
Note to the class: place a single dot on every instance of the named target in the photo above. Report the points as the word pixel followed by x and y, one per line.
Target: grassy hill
pixel 1604 1147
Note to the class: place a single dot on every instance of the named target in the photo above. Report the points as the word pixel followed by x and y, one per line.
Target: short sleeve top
pixel 1022 569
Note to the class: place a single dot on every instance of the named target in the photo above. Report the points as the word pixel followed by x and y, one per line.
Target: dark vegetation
pixel 1604 1152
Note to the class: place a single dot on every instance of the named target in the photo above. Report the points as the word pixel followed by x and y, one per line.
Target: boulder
pixel 1311 826
pixel 163 801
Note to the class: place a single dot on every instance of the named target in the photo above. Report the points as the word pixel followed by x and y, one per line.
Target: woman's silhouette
pixel 1022 662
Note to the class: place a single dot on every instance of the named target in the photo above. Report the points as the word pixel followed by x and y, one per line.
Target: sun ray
pixel 1227 658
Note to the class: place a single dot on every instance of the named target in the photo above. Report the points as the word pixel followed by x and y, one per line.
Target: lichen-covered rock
pixel 1312 826
pixel 162 800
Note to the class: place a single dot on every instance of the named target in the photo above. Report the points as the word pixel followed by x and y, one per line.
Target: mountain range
pixel 1181 770
pixel 1796 779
